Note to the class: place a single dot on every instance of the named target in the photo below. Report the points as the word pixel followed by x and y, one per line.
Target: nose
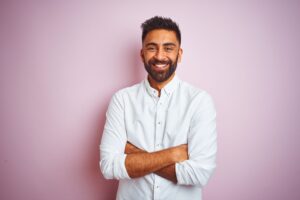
pixel 160 54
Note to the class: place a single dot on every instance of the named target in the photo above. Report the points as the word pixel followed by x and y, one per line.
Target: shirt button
pixel 158 145
pixel 158 122
pixel 157 187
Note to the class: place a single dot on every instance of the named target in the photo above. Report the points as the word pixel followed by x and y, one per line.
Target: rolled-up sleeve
pixel 202 145
pixel 112 156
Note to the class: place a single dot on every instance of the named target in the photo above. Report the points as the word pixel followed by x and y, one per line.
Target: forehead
pixel 161 36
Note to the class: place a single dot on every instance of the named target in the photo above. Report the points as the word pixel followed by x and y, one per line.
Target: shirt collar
pixel 167 89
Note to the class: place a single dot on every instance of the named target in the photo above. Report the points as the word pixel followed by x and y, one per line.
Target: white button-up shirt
pixel 182 114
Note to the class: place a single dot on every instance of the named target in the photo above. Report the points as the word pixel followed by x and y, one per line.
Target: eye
pixel 151 48
pixel 169 49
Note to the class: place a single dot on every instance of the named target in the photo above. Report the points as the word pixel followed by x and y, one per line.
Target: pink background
pixel 60 63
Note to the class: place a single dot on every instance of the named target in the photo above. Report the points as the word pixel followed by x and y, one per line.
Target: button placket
pixel 156 192
pixel 158 139
pixel 159 122
pixel 159 110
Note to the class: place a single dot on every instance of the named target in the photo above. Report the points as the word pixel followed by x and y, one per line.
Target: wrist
pixel 174 155
pixel 179 153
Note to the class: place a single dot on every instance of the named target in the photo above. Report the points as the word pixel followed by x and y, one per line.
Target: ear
pixel 142 55
pixel 180 52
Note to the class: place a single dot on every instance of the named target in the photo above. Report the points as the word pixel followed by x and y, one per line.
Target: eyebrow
pixel 165 44
pixel 169 44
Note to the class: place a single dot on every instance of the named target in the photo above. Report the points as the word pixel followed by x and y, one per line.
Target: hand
pixel 180 153
pixel 177 154
pixel 130 148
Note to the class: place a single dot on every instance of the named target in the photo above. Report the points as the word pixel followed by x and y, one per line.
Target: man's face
pixel 160 54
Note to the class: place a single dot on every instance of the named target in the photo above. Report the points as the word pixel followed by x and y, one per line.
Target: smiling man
pixel 160 136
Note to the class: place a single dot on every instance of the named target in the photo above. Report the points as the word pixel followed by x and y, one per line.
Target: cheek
pixel 175 57
pixel 147 58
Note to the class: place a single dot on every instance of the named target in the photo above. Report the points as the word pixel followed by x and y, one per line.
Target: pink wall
pixel 61 62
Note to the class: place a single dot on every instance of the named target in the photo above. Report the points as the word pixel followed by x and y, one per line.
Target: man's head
pixel 157 22
pixel 161 47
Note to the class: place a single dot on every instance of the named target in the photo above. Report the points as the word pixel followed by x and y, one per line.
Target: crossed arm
pixel 197 167
pixel 140 163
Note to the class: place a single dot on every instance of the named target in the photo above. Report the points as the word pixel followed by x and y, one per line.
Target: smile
pixel 160 66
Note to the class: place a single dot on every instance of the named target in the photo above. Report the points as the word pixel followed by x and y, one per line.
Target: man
pixel 159 139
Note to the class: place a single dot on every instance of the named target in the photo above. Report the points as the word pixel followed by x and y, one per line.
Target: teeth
pixel 160 66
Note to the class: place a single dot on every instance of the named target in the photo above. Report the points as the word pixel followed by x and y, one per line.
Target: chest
pixel 157 124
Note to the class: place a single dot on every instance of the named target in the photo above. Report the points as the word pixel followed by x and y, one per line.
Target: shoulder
pixel 129 91
pixel 200 101
pixel 118 98
pixel 193 92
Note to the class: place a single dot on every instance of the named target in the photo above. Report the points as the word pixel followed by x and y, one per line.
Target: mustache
pixel 159 62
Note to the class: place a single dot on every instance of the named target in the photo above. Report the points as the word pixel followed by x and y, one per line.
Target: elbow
pixel 196 176
pixel 113 167
pixel 204 175
pixel 106 170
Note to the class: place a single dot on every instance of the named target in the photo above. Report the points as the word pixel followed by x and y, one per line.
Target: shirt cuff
pixel 119 167
pixel 178 171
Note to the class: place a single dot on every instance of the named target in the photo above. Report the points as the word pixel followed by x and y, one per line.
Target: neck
pixel 159 85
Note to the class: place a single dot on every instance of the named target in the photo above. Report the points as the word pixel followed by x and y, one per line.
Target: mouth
pixel 160 67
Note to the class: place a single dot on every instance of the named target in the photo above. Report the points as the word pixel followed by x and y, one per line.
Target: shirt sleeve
pixel 112 156
pixel 202 145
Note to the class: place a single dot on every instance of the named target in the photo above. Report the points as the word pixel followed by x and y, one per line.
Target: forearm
pixel 167 172
pixel 141 164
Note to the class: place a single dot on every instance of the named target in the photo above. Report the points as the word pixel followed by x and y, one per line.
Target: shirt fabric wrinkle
pixel 182 114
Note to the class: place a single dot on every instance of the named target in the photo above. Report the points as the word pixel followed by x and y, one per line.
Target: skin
pixel 141 163
pixel 167 172
pixel 161 45
pixel 160 50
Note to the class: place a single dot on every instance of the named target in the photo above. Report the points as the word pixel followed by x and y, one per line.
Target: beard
pixel 161 76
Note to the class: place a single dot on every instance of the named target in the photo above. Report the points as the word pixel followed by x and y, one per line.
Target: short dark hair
pixel 159 22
